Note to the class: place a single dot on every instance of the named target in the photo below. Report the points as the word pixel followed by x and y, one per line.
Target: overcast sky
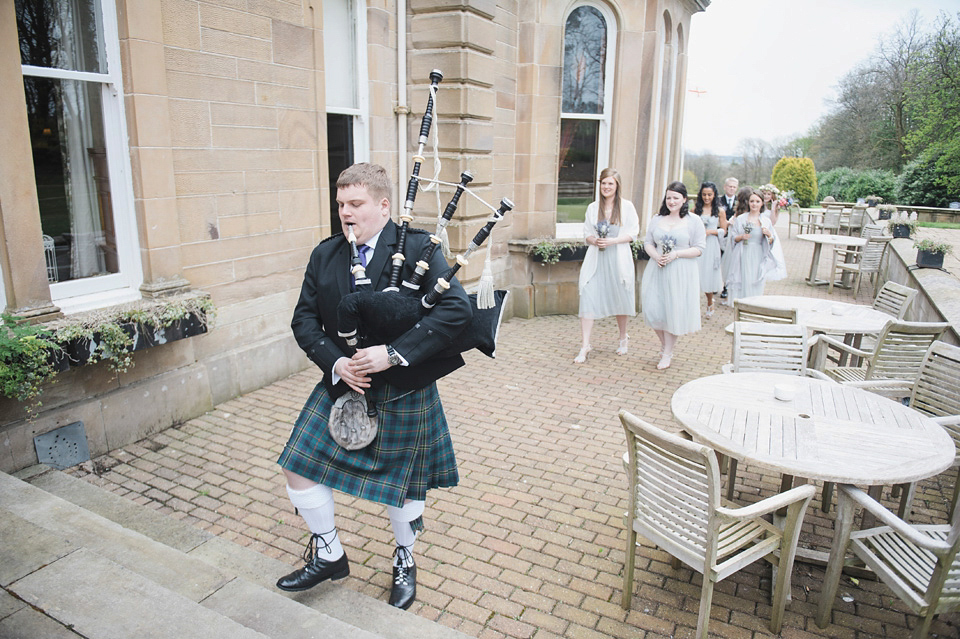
pixel 797 49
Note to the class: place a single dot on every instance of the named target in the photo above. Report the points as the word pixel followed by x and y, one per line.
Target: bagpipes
pixel 379 317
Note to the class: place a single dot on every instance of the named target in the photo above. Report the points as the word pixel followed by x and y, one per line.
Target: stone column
pixel 148 116
pixel 460 41
pixel 21 237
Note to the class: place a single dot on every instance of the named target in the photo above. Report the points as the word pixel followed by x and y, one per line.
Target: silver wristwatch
pixel 393 358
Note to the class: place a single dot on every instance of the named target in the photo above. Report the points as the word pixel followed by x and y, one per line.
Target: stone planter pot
pixel 900 230
pixel 929 259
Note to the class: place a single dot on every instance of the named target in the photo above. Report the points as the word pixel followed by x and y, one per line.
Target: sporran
pixel 349 424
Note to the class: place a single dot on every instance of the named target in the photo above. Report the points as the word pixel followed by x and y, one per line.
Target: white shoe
pixel 582 355
pixel 623 346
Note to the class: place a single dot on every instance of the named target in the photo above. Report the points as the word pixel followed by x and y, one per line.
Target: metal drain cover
pixel 64 447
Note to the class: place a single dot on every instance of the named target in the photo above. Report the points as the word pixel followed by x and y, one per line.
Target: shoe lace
pixel 313 547
pixel 403 555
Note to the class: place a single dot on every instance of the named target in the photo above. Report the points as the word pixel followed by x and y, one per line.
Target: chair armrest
pixel 770 504
pixel 815 374
pixel 899 526
pixel 891 388
pixel 822 343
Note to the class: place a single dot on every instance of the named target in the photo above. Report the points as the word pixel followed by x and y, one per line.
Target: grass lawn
pixel 572 209
pixel 940 225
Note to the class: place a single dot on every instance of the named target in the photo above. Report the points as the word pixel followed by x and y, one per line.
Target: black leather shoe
pixel 404 590
pixel 315 571
pixel 723 293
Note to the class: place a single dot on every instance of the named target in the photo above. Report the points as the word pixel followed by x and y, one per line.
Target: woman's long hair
pixel 615 213
pixel 743 199
pixel 714 206
pixel 676 187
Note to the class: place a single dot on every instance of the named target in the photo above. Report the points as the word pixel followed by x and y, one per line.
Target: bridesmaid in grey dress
pixel 715 223
pixel 607 281
pixel 751 259
pixel 670 289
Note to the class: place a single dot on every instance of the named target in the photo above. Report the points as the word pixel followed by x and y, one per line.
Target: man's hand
pixel 357 370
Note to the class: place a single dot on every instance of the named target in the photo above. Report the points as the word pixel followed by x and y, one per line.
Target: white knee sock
pixel 315 505
pixel 406 536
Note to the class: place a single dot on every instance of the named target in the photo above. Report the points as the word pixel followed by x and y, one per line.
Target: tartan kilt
pixel 411 454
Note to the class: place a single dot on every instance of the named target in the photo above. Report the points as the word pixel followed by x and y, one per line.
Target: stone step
pixel 246 591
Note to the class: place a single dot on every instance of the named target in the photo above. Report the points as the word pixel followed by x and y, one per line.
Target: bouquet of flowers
pixel 603 228
pixel 786 199
pixel 666 244
pixel 748 229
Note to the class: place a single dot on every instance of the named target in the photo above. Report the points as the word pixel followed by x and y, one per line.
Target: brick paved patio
pixel 530 544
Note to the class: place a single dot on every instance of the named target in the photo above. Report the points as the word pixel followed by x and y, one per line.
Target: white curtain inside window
pixel 79 120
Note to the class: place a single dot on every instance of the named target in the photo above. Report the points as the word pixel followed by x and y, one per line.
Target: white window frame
pixel 124 286
pixel 574 230
pixel 360 114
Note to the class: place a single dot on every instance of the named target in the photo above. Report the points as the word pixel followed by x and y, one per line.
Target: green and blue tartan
pixel 411 454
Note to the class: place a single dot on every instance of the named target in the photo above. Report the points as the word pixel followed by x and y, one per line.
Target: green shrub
pixel 920 184
pixel 871 182
pixel 835 182
pixel 797 175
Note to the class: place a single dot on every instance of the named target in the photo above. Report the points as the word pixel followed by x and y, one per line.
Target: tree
pixel 936 94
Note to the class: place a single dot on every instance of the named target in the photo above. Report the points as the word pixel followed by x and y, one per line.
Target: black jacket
pixel 327 280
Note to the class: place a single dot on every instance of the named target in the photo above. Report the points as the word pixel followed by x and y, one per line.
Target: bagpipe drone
pixel 379 317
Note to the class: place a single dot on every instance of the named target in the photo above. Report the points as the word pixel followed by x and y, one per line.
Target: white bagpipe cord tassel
pixel 485 287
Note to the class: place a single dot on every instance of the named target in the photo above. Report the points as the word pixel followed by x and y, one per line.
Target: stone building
pixel 172 145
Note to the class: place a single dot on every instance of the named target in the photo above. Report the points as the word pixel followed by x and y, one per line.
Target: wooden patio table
pixel 827 431
pixel 830 239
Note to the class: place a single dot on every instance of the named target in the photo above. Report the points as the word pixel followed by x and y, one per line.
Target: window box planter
pixel 551 253
pixel 30 355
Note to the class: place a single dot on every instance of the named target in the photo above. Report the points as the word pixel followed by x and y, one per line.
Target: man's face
pixel 730 188
pixel 356 207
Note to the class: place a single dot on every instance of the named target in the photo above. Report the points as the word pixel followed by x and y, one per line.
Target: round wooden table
pixel 826 316
pixel 828 431
pixel 819 239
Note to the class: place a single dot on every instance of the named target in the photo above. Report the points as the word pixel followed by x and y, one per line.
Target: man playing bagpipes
pixel 412 451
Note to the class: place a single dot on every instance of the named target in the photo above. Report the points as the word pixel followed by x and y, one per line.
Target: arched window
pixel 589 39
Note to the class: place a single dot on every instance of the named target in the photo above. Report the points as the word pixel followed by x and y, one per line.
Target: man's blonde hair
pixel 371 176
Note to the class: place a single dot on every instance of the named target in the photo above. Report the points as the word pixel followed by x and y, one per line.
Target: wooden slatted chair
pixel 675 503
pixel 918 563
pixel 863 261
pixel 895 358
pixel 936 393
pixel 830 222
pixel 894 299
pixel 743 312
pixel 798 218
pixel 767 348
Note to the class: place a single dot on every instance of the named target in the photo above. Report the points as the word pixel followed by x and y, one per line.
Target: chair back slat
pixel 872 254
pixel 871 230
pixel 894 299
pixel 937 391
pixel 675 488
pixel 901 349
pixel 744 312
pixel 776 348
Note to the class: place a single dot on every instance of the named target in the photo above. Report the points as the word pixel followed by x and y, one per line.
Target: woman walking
pixel 715 225
pixel 670 289
pixel 751 258
pixel 607 281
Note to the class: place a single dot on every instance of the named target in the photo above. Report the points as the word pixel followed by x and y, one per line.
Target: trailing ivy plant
pixel 25 359
pixel 27 351
pixel 549 250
